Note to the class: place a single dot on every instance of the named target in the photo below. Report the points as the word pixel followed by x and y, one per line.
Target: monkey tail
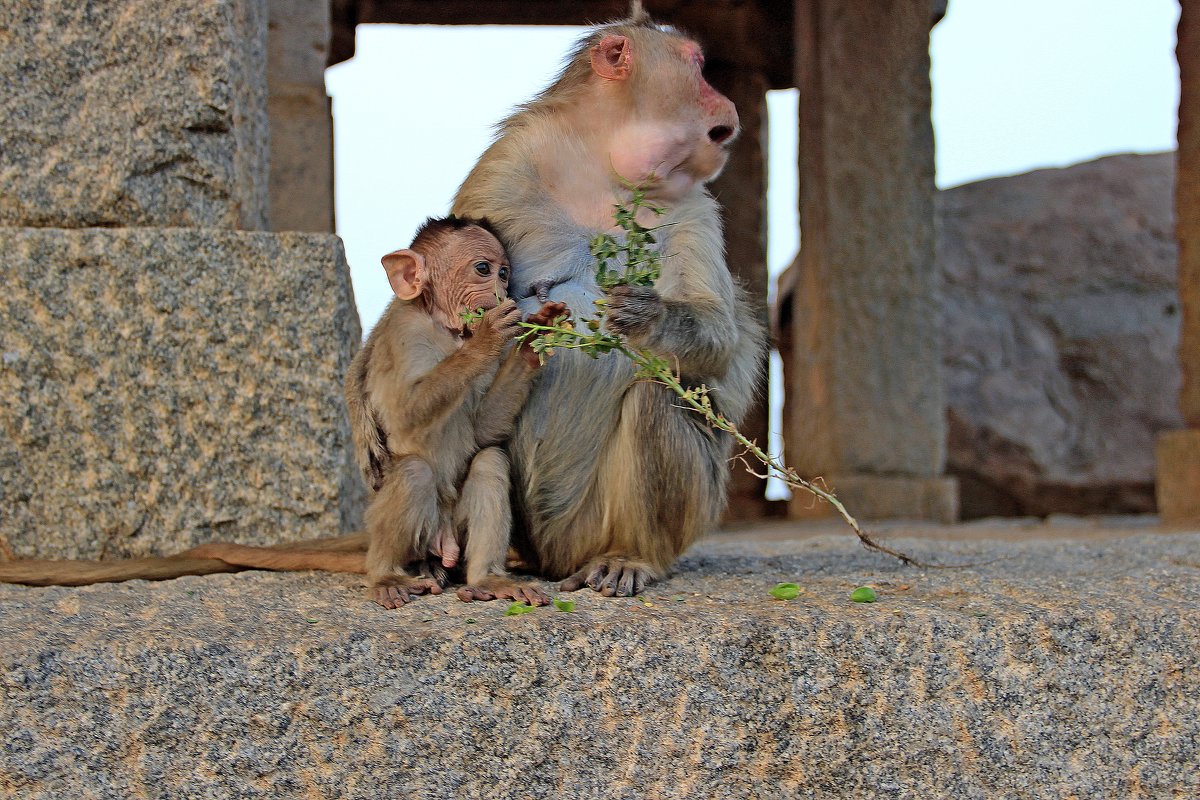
pixel 335 554
pixel 83 573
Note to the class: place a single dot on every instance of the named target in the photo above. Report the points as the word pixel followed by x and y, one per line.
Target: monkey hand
pixel 499 326
pixel 633 310
pixel 543 316
pixel 547 313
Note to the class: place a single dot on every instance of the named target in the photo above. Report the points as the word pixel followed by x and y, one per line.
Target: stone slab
pixel 880 497
pixel 1060 668
pixel 165 387
pixel 1178 483
pixel 138 113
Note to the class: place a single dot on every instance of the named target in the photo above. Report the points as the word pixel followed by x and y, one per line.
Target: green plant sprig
pixel 642 261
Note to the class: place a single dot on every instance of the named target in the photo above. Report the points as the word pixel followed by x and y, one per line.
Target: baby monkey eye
pixel 504 274
pixel 483 268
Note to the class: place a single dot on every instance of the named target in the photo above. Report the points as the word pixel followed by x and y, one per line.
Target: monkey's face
pixel 681 128
pixel 471 271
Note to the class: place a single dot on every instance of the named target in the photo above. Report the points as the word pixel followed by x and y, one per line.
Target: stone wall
pixel 170 377
pixel 148 112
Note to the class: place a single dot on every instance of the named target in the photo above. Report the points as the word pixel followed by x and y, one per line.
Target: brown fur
pixel 614 479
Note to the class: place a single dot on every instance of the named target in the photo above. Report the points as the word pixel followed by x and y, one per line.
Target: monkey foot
pixel 403 591
pixel 493 587
pixel 612 575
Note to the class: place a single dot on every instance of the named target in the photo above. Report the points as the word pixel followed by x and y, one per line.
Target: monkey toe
pixel 424 586
pixel 533 595
pixel 470 593
pixel 390 597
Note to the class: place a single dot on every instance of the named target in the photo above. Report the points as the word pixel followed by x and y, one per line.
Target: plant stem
pixel 653 368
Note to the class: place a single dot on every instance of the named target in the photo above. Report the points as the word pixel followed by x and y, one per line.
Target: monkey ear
pixel 612 58
pixel 406 273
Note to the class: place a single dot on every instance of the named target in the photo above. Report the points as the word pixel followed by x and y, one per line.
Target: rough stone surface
pixel 301 181
pixel 1061 323
pixel 167 387
pixel 863 378
pixel 1178 476
pixel 139 113
pixel 1064 668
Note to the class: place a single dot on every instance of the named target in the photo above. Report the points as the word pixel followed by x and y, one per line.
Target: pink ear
pixel 406 273
pixel 612 58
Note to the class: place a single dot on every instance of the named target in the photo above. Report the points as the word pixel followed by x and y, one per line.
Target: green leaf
pixel 785 591
pixel 470 620
pixel 863 594
pixel 516 609
pixel 564 605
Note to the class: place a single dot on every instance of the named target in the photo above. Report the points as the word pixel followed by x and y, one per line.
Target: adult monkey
pixel 614 480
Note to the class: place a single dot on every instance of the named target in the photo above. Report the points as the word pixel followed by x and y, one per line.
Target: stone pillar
pixel 865 407
pixel 146 113
pixel 172 373
pixel 301 174
pixel 1178 452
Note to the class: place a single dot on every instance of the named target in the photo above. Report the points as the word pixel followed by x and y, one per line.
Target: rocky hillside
pixel 1062 326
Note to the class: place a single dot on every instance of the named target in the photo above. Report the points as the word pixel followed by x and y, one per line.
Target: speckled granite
pixel 139 112
pixel 1063 668
pixel 165 387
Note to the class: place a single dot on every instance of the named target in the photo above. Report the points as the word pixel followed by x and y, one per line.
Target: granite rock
pixel 1057 668
pixel 166 387
pixel 138 113
pixel 1061 322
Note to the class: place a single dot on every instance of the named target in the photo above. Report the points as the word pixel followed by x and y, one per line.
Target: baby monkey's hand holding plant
pixel 639 255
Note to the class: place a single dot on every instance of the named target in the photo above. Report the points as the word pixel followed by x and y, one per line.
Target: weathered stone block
pixel 864 387
pixel 167 387
pixel 146 113
pixel 1178 483
pixel 1052 669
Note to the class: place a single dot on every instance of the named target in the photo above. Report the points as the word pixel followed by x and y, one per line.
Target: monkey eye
pixel 483 268
pixel 504 274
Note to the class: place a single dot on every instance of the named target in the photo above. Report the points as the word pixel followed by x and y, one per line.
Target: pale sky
pixel 1017 85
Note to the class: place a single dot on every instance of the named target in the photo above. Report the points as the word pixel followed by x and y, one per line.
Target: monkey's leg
pixel 660 486
pixel 484 510
pixel 402 520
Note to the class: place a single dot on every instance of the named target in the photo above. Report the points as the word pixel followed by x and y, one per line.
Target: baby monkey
pixel 431 400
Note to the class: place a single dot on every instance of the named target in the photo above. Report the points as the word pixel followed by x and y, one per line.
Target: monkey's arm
pixel 697 337
pixel 504 400
pixel 510 389
pixel 426 396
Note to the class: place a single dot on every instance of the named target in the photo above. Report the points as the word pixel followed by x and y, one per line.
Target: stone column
pixel 171 372
pixel 865 407
pixel 301 174
pixel 1178 452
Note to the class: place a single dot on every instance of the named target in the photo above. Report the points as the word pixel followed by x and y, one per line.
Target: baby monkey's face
pixel 474 272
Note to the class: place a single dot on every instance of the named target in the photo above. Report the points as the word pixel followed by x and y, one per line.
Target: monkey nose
pixel 720 134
